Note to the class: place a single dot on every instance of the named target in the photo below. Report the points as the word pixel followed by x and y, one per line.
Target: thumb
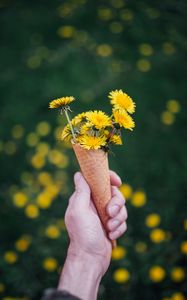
pixel 82 190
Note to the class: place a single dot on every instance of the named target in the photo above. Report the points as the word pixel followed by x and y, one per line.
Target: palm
pixel 89 231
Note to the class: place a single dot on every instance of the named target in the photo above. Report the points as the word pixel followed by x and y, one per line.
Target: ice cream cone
pixel 95 169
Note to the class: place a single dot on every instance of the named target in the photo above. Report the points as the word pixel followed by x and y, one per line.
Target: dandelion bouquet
pixel 91 134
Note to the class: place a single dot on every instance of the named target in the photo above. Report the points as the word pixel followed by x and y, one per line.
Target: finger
pixel 116 192
pixel 121 217
pixel 82 191
pixel 118 232
pixel 114 206
pixel 114 178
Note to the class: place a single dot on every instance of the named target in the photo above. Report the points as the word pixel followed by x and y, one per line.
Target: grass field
pixel 86 49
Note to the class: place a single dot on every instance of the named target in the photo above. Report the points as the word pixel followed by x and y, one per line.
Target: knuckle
pixel 70 216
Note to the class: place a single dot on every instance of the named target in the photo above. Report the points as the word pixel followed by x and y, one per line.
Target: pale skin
pixel 89 252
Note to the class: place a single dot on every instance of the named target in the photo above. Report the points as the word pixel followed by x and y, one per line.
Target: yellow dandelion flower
pixel 122 118
pixel 178 296
pixel 173 106
pixel 138 199
pixel 126 190
pixel 61 102
pixel 115 139
pixel 85 128
pixel 23 243
pixel 32 211
pixel 52 232
pixel 157 273
pixel 152 220
pixel 118 253
pixel 121 275
pixel 92 142
pixel 78 119
pixel 20 199
pixel 50 264
pixel 184 247
pixel 66 134
pixel 157 235
pixel 121 100
pixel 10 257
pixel 177 274
pixel 98 119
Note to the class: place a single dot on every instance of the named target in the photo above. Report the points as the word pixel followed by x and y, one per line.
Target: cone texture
pixel 94 167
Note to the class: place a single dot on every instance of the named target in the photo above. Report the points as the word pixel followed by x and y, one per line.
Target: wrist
pixel 81 275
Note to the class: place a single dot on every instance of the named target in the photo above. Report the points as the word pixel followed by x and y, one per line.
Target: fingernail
pixel 114 210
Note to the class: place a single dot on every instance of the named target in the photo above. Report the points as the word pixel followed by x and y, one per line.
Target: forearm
pixel 80 277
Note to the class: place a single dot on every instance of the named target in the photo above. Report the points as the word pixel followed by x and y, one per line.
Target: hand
pixel 83 224
pixel 89 252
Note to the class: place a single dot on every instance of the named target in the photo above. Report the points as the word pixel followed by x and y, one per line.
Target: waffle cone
pixel 95 169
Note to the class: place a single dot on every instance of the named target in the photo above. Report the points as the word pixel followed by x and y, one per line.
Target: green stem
pixel 71 127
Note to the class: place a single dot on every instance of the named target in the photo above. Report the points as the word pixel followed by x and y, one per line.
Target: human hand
pixel 89 252
pixel 87 236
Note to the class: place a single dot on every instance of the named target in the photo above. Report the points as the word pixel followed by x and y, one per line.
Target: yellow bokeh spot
pixel 140 247
pixel 177 274
pixel 143 65
pixel 58 158
pixel 2 287
pixel 104 50
pixel 121 275
pixel 9 148
pixel 146 49
pixel 44 200
pixel 32 139
pixel 168 48
pixel 173 106
pixel 50 264
pixel 117 3
pixel 105 14
pixel 138 199
pixel 157 273
pixel 38 161
pixel 32 211
pixel 157 235
pixel 116 27
pixel 127 15
pixel 126 190
pixel 184 247
pixel 34 62
pixel 10 257
pixel 17 131
pixel 178 296
pixel 23 243
pixel 152 220
pixel 167 118
pixel 20 199
pixel 66 31
pixel 52 232
pixel 44 178
pixel 118 253
pixel 43 128
pixel 43 148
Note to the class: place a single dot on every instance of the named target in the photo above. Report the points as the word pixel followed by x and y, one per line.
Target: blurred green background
pixel 87 48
